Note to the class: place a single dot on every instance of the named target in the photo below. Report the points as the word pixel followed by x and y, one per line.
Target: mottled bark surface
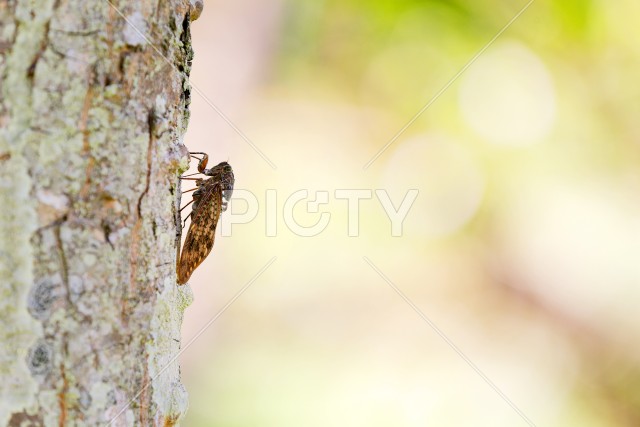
pixel 93 108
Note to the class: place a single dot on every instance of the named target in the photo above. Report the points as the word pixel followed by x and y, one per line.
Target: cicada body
pixel 209 200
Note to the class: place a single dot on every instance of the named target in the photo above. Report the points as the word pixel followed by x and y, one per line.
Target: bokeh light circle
pixel 448 178
pixel 507 96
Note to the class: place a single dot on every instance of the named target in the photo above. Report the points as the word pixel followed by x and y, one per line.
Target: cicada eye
pixel 227 194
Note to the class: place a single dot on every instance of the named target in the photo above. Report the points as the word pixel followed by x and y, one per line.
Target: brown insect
pixel 210 198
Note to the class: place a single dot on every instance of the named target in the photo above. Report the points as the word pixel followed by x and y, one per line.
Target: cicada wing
pixel 202 230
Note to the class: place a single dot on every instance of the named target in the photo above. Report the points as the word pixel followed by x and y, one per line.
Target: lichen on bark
pixel 93 107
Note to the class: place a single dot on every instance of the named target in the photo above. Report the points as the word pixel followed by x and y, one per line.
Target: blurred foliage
pixel 522 246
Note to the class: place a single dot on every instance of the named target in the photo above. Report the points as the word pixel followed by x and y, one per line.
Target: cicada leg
pixel 202 162
pixel 195 200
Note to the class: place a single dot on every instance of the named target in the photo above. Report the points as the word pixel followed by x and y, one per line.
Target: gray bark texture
pixel 93 108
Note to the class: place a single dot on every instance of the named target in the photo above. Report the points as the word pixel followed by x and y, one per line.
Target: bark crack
pixel 149 161
pixel 83 128
pixel 64 269
pixel 144 403
pixel 62 397
pixel 43 46
pixel 135 236
pixel 64 265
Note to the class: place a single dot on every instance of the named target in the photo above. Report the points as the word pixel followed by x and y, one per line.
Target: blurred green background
pixel 522 246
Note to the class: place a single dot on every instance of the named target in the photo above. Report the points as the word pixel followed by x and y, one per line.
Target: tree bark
pixel 93 109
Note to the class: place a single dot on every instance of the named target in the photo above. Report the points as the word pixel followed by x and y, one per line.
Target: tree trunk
pixel 93 108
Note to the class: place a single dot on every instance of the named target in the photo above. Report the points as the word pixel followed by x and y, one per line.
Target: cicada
pixel 210 198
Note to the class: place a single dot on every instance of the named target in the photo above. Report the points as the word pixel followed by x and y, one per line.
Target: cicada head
pixel 223 172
